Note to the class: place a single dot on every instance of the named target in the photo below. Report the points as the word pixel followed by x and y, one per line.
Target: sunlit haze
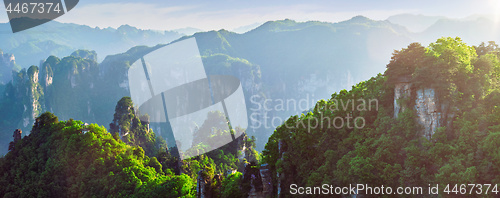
pixel 231 14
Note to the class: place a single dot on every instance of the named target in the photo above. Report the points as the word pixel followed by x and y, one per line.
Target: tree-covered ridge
pixel 70 159
pixel 392 151
pixel 460 76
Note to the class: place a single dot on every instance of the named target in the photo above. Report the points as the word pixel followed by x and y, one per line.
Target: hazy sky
pixel 230 14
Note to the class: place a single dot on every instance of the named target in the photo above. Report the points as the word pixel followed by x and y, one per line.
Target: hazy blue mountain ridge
pixel 279 60
pixel 61 39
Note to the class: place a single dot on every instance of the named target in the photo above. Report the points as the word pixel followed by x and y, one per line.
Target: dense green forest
pixel 393 151
pixel 75 159
pixel 69 159
pixel 279 60
pixel 379 143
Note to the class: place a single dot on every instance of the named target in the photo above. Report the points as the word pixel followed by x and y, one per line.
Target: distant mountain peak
pixel 415 23
pixel 126 28
pixel 188 30
pixel 359 19
pixel 280 22
pixel 276 26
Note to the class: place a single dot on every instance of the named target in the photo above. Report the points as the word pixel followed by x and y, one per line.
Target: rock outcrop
pixel 431 113
pixel 200 185
pixel 260 181
pixel 7 66
pixel 27 93
pixel 252 181
pixel 428 111
pixel 17 135
pixel 267 185
pixel 205 187
pixel 401 91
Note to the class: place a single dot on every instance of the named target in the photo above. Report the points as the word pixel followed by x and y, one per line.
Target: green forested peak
pixel 85 54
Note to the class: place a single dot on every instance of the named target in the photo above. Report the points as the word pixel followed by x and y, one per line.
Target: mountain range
pixel 279 62
pixel 61 39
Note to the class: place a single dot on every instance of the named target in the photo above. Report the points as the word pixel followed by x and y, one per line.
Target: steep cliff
pixel 7 66
pixel 35 97
pixel 67 87
pixel 402 92
pixel 78 87
pixel 428 111
pixel 431 114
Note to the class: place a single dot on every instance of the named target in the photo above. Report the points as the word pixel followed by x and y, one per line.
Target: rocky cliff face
pixel 267 185
pixel 7 65
pixel 204 185
pixel 27 94
pixel 46 75
pixel 200 185
pixel 431 113
pixel 401 91
pixel 59 86
pixel 17 137
pixel 428 111
pixel 34 94
pixel 78 87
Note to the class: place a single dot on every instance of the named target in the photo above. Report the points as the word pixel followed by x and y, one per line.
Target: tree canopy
pixel 70 159
pixel 391 151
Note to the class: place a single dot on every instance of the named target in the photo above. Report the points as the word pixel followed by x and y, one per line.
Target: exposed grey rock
pixel 428 111
pixel 401 91
pixel 7 65
pixel 431 113
pixel 200 185
pixel 267 185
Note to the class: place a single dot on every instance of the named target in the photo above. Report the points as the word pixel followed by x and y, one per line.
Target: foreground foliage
pixel 69 159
